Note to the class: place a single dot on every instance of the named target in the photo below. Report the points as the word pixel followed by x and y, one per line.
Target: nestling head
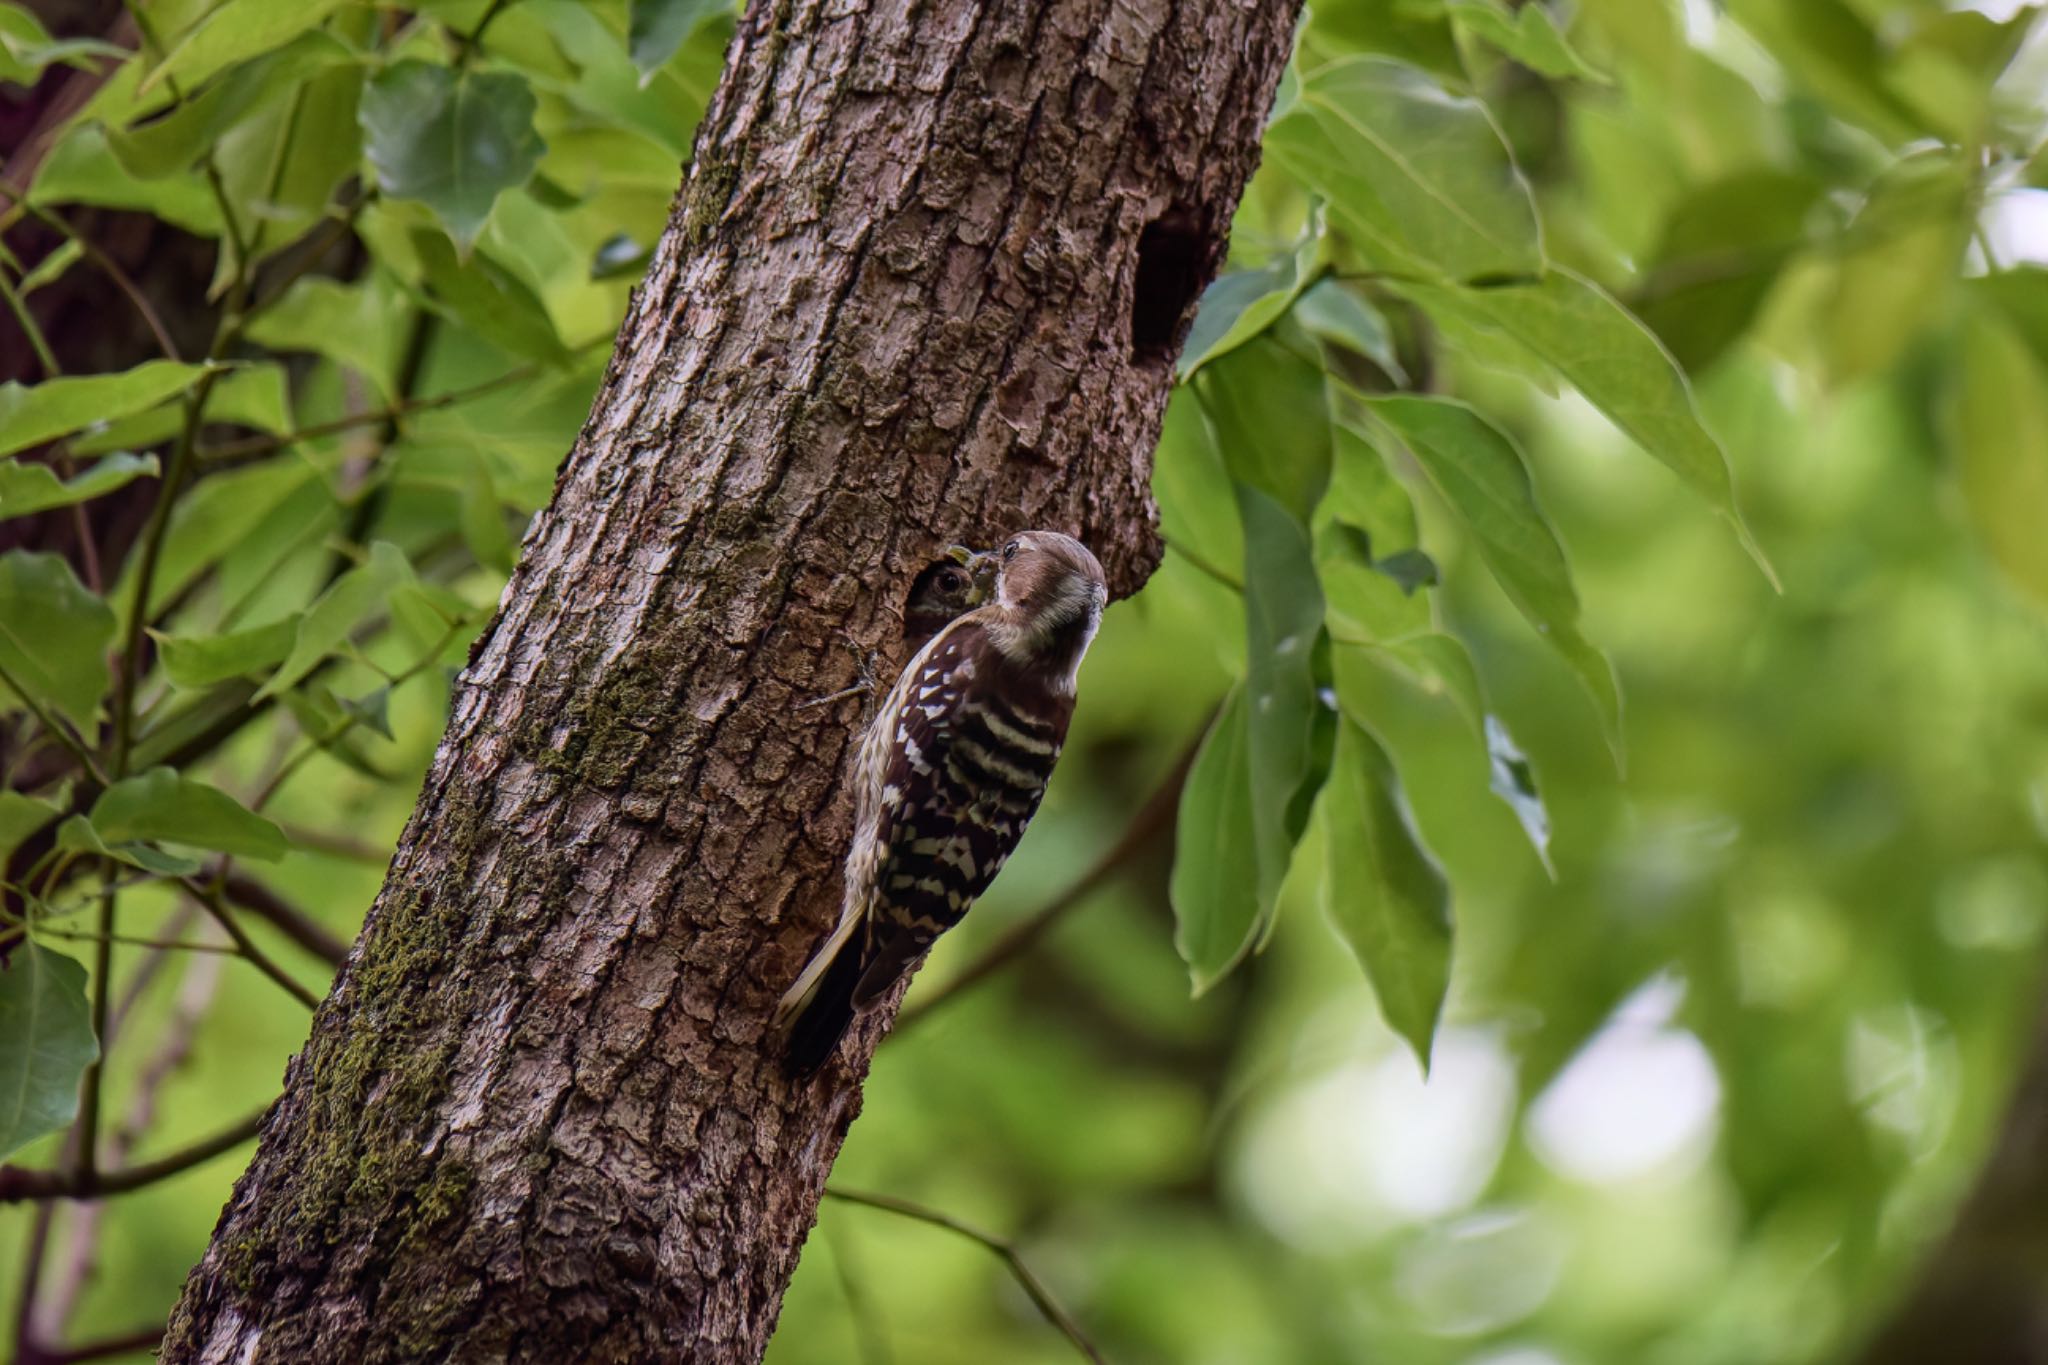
pixel 1051 592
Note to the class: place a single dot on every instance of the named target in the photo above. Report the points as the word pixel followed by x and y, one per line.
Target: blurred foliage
pixel 1553 338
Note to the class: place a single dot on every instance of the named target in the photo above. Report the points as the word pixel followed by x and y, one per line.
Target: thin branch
pixel 1152 818
pixel 215 904
pixel 128 1343
pixel 86 1134
pixel 1031 1284
pixel 867 1325
pixel 266 444
pixel 295 924
pixel 18 1184
pixel 107 266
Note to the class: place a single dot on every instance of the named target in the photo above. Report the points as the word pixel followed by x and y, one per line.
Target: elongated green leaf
pixel 1997 412
pixel 20 816
pixel 171 144
pixel 84 170
pixel 215 516
pixel 1418 175
pixel 33 414
pixel 52 267
pixel 1331 310
pixel 1513 780
pixel 1283 608
pixel 1268 404
pixel 338 611
pixel 1906 250
pixel 350 324
pixel 1241 304
pixel 454 140
pixel 26 47
pixel 1197 508
pixel 201 661
pixel 161 806
pixel 1481 475
pixel 234 32
pixel 1215 887
pixel 1371 519
pixel 1831 49
pixel 46 1044
pixel 1576 328
pixel 26 488
pixel 658 28
pixel 1383 892
pixel 53 635
pixel 78 835
pixel 488 298
pixel 1528 35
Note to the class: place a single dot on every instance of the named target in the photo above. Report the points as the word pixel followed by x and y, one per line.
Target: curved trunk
pixel 925 284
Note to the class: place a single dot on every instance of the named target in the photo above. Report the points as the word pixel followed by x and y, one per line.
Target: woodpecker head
pixel 1049 595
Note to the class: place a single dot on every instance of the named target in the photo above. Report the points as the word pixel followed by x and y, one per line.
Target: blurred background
pixel 1714 1092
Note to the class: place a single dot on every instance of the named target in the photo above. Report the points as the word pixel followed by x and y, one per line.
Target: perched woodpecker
pixel 958 583
pixel 948 775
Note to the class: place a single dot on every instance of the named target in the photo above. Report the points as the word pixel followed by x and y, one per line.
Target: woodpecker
pixel 948 774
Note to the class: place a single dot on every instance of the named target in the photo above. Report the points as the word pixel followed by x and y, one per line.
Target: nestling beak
pixel 981 566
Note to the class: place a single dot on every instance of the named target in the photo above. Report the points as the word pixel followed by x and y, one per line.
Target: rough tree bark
pixel 925 282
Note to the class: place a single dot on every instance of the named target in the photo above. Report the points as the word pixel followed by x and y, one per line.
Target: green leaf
pixel 215 515
pixel 84 170
pixel 1268 405
pixel 53 635
pixel 26 488
pixel 334 616
pixel 1418 175
pixel 1577 329
pixel 161 806
pixel 1383 892
pixel 1240 305
pixel 20 816
pixel 1905 252
pixel 46 1043
pixel 1334 312
pixel 1197 509
pixel 1997 418
pixel 658 28
pixel 51 268
pixel 1513 780
pixel 1283 608
pixel 200 661
pixel 77 835
pixel 453 140
pixel 26 47
pixel 350 324
pixel 234 32
pixel 1482 477
pixel 31 414
pixel 489 299
pixel 1830 49
pixel 1215 885
pixel 1527 35
pixel 169 145
pixel 1370 517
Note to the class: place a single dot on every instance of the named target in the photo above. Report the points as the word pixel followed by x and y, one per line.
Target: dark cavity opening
pixel 1173 256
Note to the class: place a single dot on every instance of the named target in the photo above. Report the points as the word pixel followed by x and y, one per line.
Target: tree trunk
pixel 925 284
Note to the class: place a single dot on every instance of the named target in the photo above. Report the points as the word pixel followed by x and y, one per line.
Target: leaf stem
pixel 36 340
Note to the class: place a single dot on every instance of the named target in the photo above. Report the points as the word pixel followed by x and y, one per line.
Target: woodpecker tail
pixel 814 1015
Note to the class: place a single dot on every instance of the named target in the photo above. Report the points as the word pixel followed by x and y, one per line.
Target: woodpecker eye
pixel 1009 552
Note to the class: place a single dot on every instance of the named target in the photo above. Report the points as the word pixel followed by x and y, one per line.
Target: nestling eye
pixel 952 580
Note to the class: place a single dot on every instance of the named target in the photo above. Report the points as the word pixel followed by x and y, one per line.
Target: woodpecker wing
pixel 970 743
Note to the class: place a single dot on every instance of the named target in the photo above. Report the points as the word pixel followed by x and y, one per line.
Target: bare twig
pixel 1152 818
pixel 295 924
pixel 107 266
pixel 215 903
pixel 18 1183
pixel 1031 1284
